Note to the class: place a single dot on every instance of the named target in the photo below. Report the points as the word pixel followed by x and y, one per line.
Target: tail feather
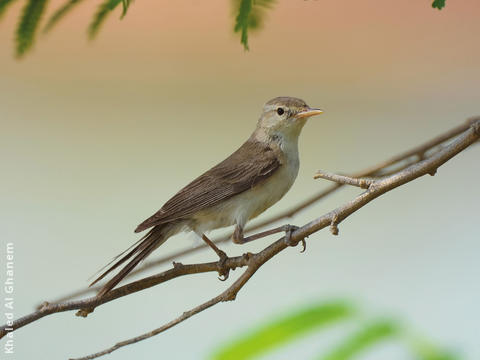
pixel 107 265
pixel 139 245
pixel 148 243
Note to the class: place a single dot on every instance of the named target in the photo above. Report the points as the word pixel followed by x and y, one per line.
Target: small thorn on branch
pixel 247 256
pixel 230 297
pixel 176 265
pixel 43 306
pixel 334 229
pixel 84 312
pixel 334 225
pixel 345 180
pixel 475 124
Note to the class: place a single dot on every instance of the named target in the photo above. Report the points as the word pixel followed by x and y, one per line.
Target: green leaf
pixel 241 22
pixel 125 5
pixel 60 13
pixel 284 330
pixel 103 11
pixel 364 339
pixel 4 4
pixel 424 350
pixel 438 4
pixel 28 25
pixel 250 17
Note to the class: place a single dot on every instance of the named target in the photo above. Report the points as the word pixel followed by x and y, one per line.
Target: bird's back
pixel 251 164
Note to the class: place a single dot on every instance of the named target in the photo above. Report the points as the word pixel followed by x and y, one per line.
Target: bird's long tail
pixel 144 247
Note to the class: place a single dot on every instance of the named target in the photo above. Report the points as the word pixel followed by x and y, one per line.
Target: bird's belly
pixel 248 204
pixel 267 193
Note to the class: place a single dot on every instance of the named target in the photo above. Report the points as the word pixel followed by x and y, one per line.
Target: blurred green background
pixel 96 136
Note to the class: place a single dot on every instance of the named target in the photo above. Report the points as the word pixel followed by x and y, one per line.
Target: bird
pixel 248 182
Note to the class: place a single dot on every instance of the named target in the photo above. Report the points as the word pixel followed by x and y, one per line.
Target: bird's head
pixel 285 116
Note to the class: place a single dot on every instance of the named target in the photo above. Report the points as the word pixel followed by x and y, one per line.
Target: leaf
pixel 364 339
pixel 4 4
pixel 424 350
pixel 60 13
pixel 28 25
pixel 284 330
pixel 438 4
pixel 241 23
pixel 250 17
pixel 103 11
pixel 125 4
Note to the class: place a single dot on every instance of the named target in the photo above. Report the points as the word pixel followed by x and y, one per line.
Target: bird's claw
pixel 223 272
pixel 304 246
pixel 289 229
pixel 288 234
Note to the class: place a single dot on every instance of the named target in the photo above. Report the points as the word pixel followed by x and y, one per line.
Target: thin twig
pixel 420 150
pixel 344 180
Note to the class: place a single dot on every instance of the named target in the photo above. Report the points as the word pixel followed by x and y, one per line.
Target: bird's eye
pixel 280 111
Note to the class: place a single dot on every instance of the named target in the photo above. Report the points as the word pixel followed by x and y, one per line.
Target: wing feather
pixel 250 164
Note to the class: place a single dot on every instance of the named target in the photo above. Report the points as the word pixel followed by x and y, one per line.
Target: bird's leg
pixel 239 238
pixel 221 254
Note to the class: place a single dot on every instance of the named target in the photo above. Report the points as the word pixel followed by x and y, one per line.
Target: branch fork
pixel 334 225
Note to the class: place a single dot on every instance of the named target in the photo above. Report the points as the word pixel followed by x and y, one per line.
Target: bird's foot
pixel 223 271
pixel 289 229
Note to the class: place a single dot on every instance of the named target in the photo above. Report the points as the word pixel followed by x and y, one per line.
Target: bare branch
pixel 253 262
pixel 403 159
pixel 344 180
pixel 91 303
pixel 333 218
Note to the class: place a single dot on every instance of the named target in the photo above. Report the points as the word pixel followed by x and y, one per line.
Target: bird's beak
pixel 308 112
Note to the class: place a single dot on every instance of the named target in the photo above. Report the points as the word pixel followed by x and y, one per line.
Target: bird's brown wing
pixel 246 167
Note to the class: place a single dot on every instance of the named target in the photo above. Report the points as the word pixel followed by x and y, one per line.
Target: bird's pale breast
pixel 251 203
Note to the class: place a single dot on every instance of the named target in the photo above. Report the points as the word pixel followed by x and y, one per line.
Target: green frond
pixel 366 338
pixel 241 22
pixel 438 4
pixel 424 350
pixel 28 25
pixel 103 11
pixel 125 5
pixel 285 330
pixel 4 4
pixel 60 13
pixel 250 16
